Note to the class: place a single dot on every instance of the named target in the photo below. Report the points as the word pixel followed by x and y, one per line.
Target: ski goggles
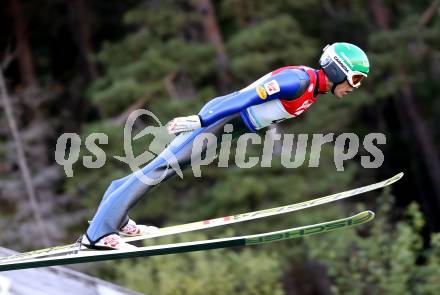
pixel 354 78
pixel 338 75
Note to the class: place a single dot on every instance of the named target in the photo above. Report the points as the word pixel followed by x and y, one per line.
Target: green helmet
pixel 344 61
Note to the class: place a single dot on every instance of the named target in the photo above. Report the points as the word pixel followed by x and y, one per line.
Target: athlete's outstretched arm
pixel 288 85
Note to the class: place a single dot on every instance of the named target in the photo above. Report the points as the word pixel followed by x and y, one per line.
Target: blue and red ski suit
pixel 282 94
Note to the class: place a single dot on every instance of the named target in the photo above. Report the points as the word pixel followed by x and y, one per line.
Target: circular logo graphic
pixel 135 162
pixel 261 92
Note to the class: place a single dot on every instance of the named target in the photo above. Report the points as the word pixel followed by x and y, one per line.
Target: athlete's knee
pixel 115 184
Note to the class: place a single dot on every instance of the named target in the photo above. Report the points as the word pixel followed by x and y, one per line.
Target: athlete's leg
pixel 124 193
pixel 118 182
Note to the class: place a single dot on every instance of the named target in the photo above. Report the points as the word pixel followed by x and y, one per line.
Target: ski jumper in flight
pixel 282 94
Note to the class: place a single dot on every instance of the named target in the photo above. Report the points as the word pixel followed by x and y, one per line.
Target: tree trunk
pixel 81 27
pixel 419 129
pixel 23 49
pixel 37 129
pixel 214 36
pixel 22 162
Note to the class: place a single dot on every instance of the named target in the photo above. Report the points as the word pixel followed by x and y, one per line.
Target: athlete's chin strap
pixel 322 82
pixel 336 84
pixel 334 87
pixel 322 86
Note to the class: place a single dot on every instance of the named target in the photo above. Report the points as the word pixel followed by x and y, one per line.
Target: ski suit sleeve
pixel 287 85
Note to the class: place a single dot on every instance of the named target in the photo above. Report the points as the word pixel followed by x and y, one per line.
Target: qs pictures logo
pixel 68 148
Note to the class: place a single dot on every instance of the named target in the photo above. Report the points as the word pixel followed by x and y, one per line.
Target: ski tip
pixel 395 178
pixel 363 217
pixel 370 213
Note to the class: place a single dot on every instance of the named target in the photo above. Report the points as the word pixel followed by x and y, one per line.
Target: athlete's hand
pixel 182 124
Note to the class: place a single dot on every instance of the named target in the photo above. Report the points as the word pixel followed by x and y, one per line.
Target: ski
pixel 99 255
pixel 205 224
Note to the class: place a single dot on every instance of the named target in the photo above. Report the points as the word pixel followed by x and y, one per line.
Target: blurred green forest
pixel 82 66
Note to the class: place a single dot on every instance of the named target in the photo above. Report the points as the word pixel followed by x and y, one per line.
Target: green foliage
pixel 166 43
pixel 390 259
pixel 161 60
pixel 263 46
pixel 137 66
pixel 206 272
